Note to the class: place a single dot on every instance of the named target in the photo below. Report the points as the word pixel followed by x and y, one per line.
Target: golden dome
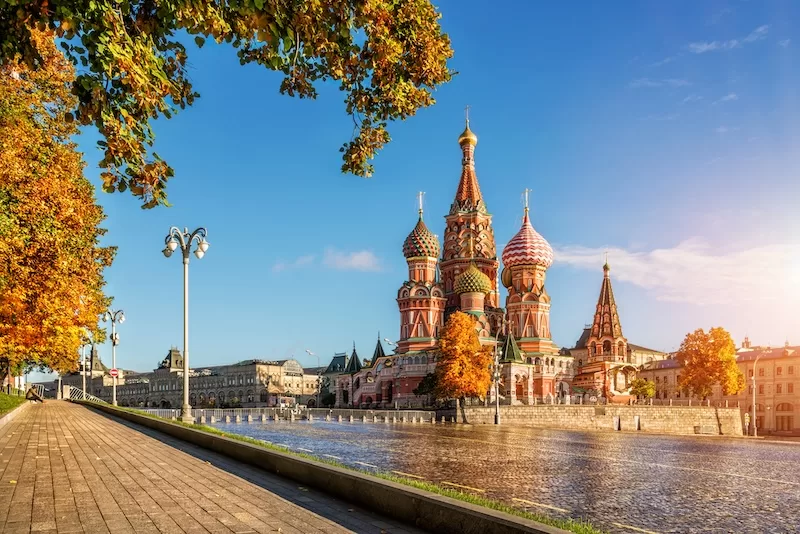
pixel 467 136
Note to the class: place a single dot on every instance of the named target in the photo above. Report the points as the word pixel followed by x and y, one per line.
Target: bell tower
pixel 469 225
pixel 421 298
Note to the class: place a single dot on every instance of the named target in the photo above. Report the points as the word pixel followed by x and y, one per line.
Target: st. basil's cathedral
pixel 462 276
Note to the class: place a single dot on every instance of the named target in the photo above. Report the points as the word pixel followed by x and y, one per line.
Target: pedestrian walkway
pixel 65 468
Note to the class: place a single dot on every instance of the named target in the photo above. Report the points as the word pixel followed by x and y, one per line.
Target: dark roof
pixel 338 363
pixel 662 364
pixel 314 370
pixel 378 350
pixel 767 353
pixel 581 343
pixel 511 352
pixel 353 364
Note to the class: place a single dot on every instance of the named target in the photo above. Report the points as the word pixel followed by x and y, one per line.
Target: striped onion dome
pixel 528 248
pixel 421 242
pixel 472 281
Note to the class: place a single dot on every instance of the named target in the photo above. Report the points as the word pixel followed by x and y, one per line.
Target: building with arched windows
pixel 244 384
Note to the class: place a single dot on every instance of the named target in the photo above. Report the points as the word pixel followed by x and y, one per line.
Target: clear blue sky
pixel 662 131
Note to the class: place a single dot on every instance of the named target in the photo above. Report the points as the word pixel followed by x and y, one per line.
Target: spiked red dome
pixel 528 248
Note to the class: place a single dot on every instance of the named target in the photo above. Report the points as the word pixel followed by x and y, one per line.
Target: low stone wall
pixel 656 419
pixel 425 510
pixel 424 416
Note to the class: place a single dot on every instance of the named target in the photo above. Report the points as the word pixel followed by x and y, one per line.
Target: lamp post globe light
pixel 183 239
pixel 115 317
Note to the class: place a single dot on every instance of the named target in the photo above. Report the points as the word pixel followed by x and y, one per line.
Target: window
pixel 750 389
pixel 791 369
pixel 789 388
pixel 779 371
pixel 750 373
pixel 778 389
pixel 761 389
pixel 761 372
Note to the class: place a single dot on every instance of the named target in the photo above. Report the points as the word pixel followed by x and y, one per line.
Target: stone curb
pixel 425 510
pixel 13 413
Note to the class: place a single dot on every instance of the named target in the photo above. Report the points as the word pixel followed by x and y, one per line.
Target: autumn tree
pixel 386 56
pixel 709 359
pixel 51 264
pixel 643 388
pixel 463 366
pixel 426 386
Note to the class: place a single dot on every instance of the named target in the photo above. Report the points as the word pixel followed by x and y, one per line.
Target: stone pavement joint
pixel 66 469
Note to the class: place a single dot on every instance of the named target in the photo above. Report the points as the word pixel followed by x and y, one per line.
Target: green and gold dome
pixel 421 242
pixel 472 281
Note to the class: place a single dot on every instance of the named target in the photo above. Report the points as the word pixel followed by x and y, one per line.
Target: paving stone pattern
pixel 622 482
pixel 67 469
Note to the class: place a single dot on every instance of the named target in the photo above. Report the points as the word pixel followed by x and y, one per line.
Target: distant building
pixel 248 383
pixel 777 374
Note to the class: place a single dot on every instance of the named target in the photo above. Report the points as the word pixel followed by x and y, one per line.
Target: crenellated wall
pixel 656 419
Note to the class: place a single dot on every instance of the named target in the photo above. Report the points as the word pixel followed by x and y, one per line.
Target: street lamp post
pixel 319 375
pixel 115 317
pixel 755 429
pixel 175 238
pixel 84 343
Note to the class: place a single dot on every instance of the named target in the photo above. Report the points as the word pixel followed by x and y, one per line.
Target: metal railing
pixel 78 395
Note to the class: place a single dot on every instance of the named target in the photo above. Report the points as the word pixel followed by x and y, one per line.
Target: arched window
pixel 784 407
pixel 606 347
pixel 593 348
pixel 580 363
pixel 250 397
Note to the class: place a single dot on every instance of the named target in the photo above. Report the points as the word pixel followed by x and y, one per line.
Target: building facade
pixel 249 383
pixel 777 386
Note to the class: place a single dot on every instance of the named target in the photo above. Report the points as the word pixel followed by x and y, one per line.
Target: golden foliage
pixel 709 359
pixel 463 366
pixel 386 56
pixel 50 261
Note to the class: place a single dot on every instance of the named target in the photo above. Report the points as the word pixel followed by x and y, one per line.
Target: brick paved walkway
pixel 65 468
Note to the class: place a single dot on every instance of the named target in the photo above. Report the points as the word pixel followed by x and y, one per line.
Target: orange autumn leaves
pixel 709 359
pixel 387 58
pixel 51 264
pixel 463 366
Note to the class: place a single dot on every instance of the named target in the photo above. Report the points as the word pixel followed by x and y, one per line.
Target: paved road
pixel 67 469
pixel 621 482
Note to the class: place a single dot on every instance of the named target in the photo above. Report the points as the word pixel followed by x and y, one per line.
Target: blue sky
pixel 661 131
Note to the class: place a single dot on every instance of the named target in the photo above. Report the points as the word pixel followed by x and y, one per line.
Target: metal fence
pixel 78 394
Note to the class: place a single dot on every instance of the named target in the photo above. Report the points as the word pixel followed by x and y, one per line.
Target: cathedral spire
pixel 606 326
pixel 468 194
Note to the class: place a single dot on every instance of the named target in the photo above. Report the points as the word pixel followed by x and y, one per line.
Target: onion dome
pixel 467 136
pixel 421 242
pixel 528 248
pixel 472 281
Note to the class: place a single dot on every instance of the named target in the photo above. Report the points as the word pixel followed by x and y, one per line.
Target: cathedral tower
pixel 526 259
pixel 469 222
pixel 420 299
pixel 606 341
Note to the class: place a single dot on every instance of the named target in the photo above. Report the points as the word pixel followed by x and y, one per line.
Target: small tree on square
pixel 463 367
pixel 643 388
pixel 709 359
